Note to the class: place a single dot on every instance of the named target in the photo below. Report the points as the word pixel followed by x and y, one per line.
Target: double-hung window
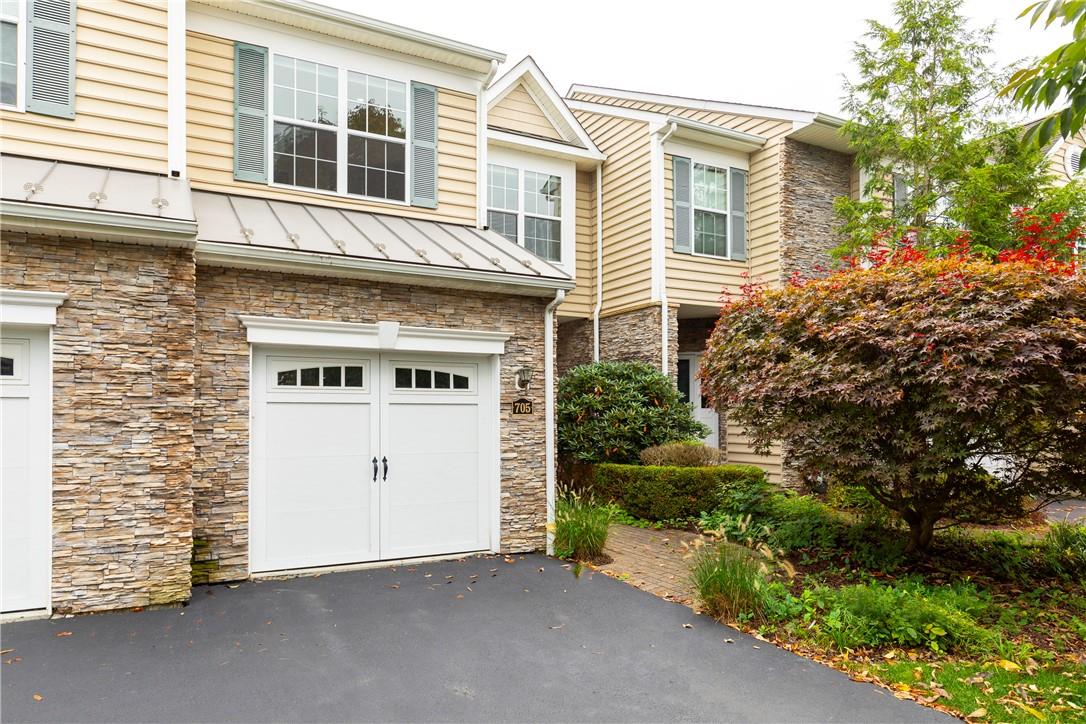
pixel 11 26
pixel 376 136
pixel 305 105
pixel 709 205
pixel 533 218
pixel 710 210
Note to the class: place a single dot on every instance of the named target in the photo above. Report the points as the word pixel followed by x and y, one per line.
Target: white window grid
pixel 713 207
pixel 515 192
pixel 340 129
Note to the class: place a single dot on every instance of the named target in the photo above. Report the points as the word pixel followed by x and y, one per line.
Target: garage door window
pixel 13 359
pixel 322 377
pixel 425 378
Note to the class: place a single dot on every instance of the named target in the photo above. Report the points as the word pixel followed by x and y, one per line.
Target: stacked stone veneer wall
pixel 221 472
pixel 574 344
pixel 811 178
pixel 634 336
pixel 122 416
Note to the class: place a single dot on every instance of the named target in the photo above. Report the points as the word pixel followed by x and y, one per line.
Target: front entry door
pixel 690 389
pixel 361 457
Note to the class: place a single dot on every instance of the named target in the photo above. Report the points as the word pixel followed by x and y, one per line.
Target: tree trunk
pixel 921 530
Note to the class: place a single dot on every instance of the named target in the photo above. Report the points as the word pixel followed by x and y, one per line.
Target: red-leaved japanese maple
pixel 951 388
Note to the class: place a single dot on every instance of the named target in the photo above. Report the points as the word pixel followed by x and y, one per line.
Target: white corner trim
pixel 23 307
pixel 659 137
pixel 176 133
pixel 382 336
pixel 549 434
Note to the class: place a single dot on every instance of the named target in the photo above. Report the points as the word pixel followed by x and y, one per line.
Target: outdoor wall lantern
pixel 524 378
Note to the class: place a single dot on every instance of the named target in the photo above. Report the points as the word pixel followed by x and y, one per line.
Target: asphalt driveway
pixel 473 640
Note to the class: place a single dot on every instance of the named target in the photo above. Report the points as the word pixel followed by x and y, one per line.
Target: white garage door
pixel 361 457
pixel 25 489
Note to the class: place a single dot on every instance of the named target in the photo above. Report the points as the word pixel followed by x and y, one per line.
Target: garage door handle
pixel 375 470
pixel 384 474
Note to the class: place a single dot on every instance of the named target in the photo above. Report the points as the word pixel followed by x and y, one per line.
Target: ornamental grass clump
pixel 731 582
pixel 949 387
pixel 580 527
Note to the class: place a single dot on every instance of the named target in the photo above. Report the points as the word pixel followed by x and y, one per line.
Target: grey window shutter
pixel 250 113
pixel 50 58
pixel 423 145
pixel 737 205
pixel 684 215
pixel 901 194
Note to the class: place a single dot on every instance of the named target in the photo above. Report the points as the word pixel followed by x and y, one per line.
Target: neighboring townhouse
pixel 253 318
pixel 699 197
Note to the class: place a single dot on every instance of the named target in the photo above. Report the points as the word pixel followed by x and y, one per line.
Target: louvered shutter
pixel 423 145
pixel 250 113
pixel 51 58
pixel 901 194
pixel 684 215
pixel 737 213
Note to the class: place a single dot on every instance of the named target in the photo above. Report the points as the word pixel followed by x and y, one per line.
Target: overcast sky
pixel 788 53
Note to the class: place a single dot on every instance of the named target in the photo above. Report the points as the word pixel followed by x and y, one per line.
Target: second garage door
pixel 368 457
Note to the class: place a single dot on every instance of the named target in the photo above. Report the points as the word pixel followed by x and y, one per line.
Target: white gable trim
pixel 785 114
pixel 550 102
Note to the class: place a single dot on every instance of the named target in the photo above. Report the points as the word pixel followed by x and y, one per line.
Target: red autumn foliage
pixel 948 385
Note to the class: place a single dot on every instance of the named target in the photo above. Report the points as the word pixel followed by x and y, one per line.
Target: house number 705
pixel 522 407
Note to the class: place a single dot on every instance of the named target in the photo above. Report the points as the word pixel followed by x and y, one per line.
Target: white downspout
pixel 599 265
pixel 176 131
pixel 482 144
pixel 659 252
pixel 548 404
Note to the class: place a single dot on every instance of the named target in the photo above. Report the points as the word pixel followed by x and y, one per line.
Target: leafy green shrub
pixel 611 411
pixel 853 498
pixel 683 454
pixel 731 582
pixel 669 493
pixel 1064 550
pixel 800 521
pixel 1001 555
pixel 909 614
pixel 580 526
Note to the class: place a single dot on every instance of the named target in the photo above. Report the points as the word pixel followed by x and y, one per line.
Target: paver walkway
pixel 652 560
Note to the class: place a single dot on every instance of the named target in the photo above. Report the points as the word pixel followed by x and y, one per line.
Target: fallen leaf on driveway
pixel 459 595
pixel 393 586
pixel 729 641
pixel 688 625
pixel 61 634
pixel 5 651
pixel 38 697
pixel 561 625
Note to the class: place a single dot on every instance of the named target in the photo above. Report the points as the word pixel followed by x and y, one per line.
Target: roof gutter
pixel 360 22
pixel 65 220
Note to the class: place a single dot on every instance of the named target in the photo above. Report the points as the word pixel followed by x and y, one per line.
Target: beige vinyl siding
pixel 211 142
pixel 120 93
pixel 740 452
pixel 693 279
pixel 518 111
pixel 627 209
pixel 582 298
pixel 1058 158
pixel 763 197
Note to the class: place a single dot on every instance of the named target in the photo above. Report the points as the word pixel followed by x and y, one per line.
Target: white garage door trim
pixel 391 342
pixel 26 318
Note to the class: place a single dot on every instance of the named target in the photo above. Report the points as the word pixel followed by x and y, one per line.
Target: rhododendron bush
pixel 950 387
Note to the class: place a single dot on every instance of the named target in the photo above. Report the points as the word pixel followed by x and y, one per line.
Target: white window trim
pixel 340 129
pixel 727 213
pixel 20 58
pixel 566 171
pixel 470 371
